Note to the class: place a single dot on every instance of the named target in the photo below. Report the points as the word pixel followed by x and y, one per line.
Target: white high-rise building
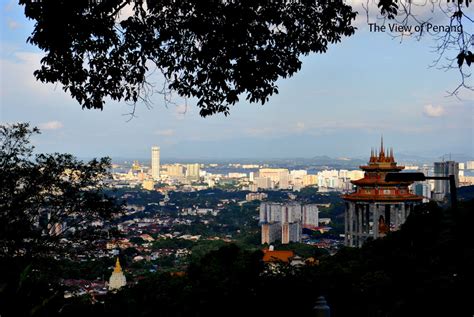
pixel 310 215
pixel 470 165
pixel 155 162
pixel 291 217
pixel 263 182
pixel 192 171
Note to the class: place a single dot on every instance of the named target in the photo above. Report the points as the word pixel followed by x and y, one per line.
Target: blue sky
pixel 338 105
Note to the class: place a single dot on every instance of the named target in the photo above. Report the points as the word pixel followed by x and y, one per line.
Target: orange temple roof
pixel 373 187
pixel 277 256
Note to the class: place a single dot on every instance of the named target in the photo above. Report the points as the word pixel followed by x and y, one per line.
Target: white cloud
pixel 51 125
pixel 8 7
pixel 167 132
pixel 433 111
pixel 20 70
pixel 260 131
pixel 300 126
pixel 13 25
pixel 181 109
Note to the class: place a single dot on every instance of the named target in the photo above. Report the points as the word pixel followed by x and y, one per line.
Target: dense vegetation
pixel 46 197
pixel 425 269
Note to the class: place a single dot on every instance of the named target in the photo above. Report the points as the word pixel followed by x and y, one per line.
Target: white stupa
pixel 117 279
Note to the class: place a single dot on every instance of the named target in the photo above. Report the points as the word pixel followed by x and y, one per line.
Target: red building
pixel 377 207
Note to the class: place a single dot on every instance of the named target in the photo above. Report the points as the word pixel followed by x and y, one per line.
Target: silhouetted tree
pixel 45 197
pixel 212 50
pixel 452 45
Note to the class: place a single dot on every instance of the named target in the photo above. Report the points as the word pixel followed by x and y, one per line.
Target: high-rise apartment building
pixel 310 215
pixel 446 168
pixel 192 171
pixel 174 170
pixel 285 221
pixel 271 232
pixel 290 232
pixel 262 183
pixel 470 165
pixel 280 176
pixel 155 162
pixel 422 189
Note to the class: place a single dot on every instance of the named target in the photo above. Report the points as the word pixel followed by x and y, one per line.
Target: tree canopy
pixel 211 50
pixel 45 197
pixel 215 51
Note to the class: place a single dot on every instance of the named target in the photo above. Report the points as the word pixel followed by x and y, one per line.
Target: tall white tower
pixel 155 162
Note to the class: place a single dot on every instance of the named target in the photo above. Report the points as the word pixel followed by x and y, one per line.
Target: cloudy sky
pixel 338 105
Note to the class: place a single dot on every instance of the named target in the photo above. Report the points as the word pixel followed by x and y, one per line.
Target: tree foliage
pixel 424 269
pixel 212 50
pixel 45 197
pixel 453 44
pixel 215 51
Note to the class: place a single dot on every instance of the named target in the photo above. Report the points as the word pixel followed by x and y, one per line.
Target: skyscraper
pixel 192 171
pixel 446 168
pixel 286 220
pixel 155 162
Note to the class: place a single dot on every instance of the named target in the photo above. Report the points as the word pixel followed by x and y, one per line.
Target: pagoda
pixel 377 206
pixel 117 279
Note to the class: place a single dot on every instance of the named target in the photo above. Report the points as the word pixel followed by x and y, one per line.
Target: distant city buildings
pixel 192 171
pixel 262 177
pixel 441 187
pixel 284 221
pixel 276 177
pixel 255 196
pixel 148 184
pixel 422 189
pixel 174 171
pixel 470 165
pixel 155 162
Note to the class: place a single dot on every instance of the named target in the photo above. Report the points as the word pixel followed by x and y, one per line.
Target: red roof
pixel 277 256
pixel 373 186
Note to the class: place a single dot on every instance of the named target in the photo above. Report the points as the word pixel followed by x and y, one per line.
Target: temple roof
pixel 277 256
pixel 376 169
pixel 382 157
pixel 378 182
pixel 385 198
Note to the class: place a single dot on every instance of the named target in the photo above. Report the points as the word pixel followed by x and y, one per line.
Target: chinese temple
pixel 376 206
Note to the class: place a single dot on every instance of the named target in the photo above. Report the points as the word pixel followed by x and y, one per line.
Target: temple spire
pixel 118 268
pixel 117 280
pixel 382 152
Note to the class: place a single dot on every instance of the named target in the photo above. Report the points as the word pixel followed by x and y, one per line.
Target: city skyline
pixel 140 175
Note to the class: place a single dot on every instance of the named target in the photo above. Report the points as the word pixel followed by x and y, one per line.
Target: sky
pixel 339 104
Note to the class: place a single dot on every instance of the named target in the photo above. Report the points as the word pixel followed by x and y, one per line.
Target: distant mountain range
pixel 321 160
